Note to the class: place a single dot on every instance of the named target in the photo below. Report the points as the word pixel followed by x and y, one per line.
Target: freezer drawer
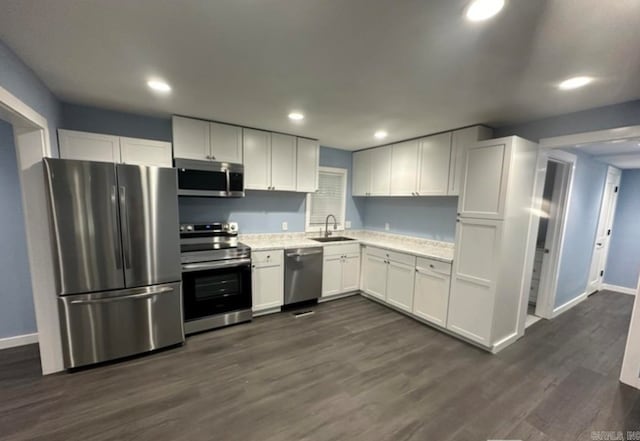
pixel 104 326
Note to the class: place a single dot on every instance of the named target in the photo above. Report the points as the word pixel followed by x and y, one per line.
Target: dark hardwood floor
pixel 354 370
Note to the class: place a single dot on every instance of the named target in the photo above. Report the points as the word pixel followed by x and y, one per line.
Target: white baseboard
pixel 18 340
pixel 338 296
pixel 570 304
pixel 620 289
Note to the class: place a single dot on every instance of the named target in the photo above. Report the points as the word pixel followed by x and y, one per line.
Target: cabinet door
pixel 475 268
pixel 404 168
pixel 361 180
pixel 283 162
pixel 308 158
pixel 145 152
pixel 226 142
pixel 485 181
pixel 257 159
pixel 435 154
pixel 331 276
pixel 268 287
pixel 431 296
pixel 85 146
pixel 460 140
pixel 375 276
pixel 380 171
pixel 351 273
pixel 191 138
pixel 400 278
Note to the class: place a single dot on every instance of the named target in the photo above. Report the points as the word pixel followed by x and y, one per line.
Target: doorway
pixel 557 168
pixel 605 226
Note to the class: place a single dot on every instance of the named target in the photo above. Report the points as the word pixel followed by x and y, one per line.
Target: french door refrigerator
pixel 117 252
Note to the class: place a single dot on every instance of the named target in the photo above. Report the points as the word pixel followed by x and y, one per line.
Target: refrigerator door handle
pixel 116 232
pixel 126 232
pixel 143 295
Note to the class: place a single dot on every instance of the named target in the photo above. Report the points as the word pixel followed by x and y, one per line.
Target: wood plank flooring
pixel 354 370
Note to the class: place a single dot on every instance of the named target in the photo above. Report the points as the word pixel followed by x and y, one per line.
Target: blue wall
pixel 111 122
pixel 264 211
pixel 582 223
pixel 21 81
pixel 429 217
pixel 17 316
pixel 623 265
pixel 599 118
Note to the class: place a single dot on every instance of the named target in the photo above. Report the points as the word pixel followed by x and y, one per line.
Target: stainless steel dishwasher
pixel 303 274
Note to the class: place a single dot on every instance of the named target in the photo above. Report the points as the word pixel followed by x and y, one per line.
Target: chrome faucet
pixel 327 233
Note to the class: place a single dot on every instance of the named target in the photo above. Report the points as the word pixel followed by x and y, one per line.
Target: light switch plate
pixel 347 224
pixel 386 226
pixel 285 226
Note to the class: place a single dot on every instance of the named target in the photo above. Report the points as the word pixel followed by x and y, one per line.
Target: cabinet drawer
pixel 271 257
pixel 407 259
pixel 434 265
pixel 342 249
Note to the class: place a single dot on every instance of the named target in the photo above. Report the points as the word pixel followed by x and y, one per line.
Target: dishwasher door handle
pixel 308 253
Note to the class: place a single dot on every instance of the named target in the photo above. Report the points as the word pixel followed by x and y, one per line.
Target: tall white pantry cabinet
pixel 491 267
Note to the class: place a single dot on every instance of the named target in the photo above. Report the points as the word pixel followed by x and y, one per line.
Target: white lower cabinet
pixel 389 276
pixel 431 293
pixel 375 276
pixel 267 280
pixel 341 269
pixel 400 278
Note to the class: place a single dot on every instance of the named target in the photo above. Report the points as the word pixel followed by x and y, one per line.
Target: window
pixel 330 198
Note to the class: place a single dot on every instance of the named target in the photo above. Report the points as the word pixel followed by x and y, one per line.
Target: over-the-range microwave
pixel 210 179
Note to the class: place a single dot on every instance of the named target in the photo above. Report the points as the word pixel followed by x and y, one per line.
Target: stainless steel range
pixel 216 276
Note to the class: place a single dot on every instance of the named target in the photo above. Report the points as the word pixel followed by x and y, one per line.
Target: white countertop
pixel 416 246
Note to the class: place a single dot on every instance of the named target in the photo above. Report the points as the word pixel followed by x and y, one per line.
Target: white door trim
pixel 548 287
pixel 31 132
pixel 630 373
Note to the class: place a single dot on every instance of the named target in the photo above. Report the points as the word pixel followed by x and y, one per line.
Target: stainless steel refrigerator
pixel 117 254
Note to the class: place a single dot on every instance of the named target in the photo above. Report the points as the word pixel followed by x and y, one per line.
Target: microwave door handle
pixel 228 182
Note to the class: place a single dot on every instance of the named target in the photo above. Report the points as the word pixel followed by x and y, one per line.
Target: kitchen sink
pixel 332 239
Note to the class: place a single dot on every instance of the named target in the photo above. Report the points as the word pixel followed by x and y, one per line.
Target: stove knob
pixel 181 228
pixel 189 227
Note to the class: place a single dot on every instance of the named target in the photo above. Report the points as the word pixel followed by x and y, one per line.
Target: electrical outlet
pixel 347 224
pixel 285 226
pixel 386 226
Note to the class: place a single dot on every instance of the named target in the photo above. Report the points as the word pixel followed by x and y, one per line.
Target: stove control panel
pixel 214 227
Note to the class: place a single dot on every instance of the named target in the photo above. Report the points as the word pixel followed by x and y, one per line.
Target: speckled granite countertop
pixel 416 246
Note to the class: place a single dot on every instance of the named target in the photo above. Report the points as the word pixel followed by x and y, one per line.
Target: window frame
pixel 314 228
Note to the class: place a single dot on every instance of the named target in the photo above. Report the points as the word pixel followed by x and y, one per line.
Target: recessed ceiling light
pixel 296 116
pixel 480 10
pixel 159 86
pixel 574 83
pixel 380 134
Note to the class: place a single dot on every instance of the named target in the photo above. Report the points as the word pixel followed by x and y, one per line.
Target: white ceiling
pixel 622 153
pixel 352 67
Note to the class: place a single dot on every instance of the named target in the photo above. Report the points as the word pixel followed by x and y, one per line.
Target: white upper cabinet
pixel 85 146
pixel 226 142
pixel 308 158
pixel 257 159
pixel 404 168
pixel 283 162
pixel 107 148
pixel 435 154
pixel 485 181
pixel 461 139
pixel 361 180
pixel 136 151
pixel 191 138
pixel 206 141
pixel 380 171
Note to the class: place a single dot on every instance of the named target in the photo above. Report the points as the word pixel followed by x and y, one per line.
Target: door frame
pixel 548 287
pixel 617 174
pixel 32 143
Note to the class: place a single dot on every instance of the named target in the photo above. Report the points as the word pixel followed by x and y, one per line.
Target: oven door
pixel 211 288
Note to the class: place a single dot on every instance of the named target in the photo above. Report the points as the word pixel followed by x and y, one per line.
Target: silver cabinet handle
pixel 116 232
pixel 189 267
pixel 123 298
pixel 126 233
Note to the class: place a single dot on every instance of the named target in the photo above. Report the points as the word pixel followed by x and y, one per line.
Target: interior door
pixel 83 201
pixel 605 225
pixel 149 223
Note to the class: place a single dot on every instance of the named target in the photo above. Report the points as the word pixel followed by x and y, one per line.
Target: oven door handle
pixel 188 267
